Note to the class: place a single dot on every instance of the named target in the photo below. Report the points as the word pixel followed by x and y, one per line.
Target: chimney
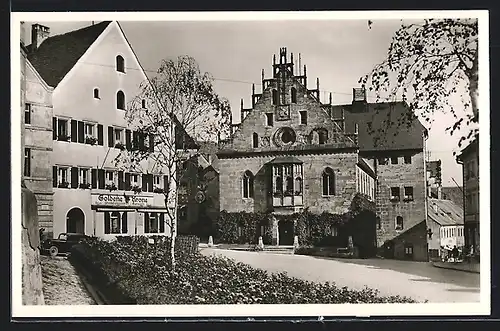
pixel 439 193
pixel 38 34
pixel 435 207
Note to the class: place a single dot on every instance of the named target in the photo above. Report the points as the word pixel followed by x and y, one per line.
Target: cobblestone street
pixel 61 283
pixel 418 280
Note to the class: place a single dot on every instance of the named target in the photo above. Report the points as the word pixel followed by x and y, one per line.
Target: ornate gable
pixel 287 116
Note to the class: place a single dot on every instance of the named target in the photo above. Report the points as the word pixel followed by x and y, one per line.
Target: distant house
pixel 454 194
pixel 446 225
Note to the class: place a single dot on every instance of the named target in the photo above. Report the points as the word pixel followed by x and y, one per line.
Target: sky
pixel 339 52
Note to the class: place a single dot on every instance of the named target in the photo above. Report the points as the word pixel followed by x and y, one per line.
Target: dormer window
pixel 255 140
pixel 143 104
pixel 120 64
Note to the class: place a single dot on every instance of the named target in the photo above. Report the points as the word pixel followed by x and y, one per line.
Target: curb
pixel 453 268
pixel 98 297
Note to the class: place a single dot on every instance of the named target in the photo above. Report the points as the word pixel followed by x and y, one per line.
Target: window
pixel 255 140
pixel 27 162
pixel 27 113
pixel 275 97
pixel 303 117
pixel 293 95
pixel 395 194
pixel 248 184
pixel 62 130
pixel 134 180
pixel 278 190
pixel 289 186
pixel 408 159
pixel 379 223
pixel 328 182
pixel 62 177
pixel 298 186
pixel 110 178
pixel 118 136
pixel 394 160
pixel 334 231
pixel 120 100
pixel 89 130
pixel 96 93
pixel 115 222
pixel 408 193
pixel 322 136
pixel 143 104
pixel 157 181
pixel 155 223
pixel 120 64
pixel 84 178
pixel 269 118
pixel 382 161
pixel 399 223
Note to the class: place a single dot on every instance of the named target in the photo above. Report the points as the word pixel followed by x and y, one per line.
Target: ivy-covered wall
pixel 321 230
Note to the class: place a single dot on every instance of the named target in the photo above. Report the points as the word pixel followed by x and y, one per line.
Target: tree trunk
pixel 473 87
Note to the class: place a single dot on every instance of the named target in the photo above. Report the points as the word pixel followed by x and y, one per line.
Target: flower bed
pixel 142 273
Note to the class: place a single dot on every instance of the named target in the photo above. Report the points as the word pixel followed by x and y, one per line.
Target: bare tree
pixel 428 64
pixel 176 106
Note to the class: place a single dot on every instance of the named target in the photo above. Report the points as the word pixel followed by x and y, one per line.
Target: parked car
pixel 63 243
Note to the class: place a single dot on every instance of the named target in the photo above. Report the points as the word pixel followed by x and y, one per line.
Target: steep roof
pixel 382 126
pixel 55 57
pixel 285 160
pixel 454 194
pixel 445 212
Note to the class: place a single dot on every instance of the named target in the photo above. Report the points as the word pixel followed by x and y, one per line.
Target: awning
pixel 152 210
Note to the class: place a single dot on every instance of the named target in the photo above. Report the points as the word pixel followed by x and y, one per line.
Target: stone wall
pixel 232 170
pixel 38 138
pixel 400 175
pixel 31 267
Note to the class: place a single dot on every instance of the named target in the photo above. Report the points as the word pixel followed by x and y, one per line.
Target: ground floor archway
pixel 75 221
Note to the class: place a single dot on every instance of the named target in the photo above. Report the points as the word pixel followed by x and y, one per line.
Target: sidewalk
pixel 461 266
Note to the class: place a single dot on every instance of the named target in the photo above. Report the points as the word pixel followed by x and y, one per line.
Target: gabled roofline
pixel 44 84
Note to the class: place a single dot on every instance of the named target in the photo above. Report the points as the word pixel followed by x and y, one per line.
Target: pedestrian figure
pixel 454 253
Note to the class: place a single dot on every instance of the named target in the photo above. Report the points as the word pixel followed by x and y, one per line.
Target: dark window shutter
pixel 54 176
pixel 81 132
pixel 54 128
pixel 151 143
pixel 150 183
pixel 120 180
pixel 74 131
pixel 100 178
pixel 94 178
pixel 142 137
pixel 135 140
pixel 127 140
pixel 127 181
pixel 144 182
pixel 74 177
pixel 162 222
pixel 107 221
pixel 111 142
pixel 146 222
pixel 124 223
pixel 100 135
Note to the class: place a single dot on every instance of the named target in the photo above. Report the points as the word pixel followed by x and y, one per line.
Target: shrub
pixel 143 274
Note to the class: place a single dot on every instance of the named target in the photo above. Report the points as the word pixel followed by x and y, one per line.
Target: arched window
pixel 289 186
pixel 293 93
pixel 379 223
pixel 120 100
pixel 248 184
pixel 255 140
pixel 298 186
pixel 96 93
pixel 279 185
pixel 323 136
pixel 143 104
pixel 328 182
pixel 120 64
pixel 275 97
pixel 399 223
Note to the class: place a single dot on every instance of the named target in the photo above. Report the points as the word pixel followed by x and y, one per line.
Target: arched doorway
pixel 75 221
pixel 285 229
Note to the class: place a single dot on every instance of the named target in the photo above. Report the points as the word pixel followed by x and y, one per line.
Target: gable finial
pixel 274 59
pixel 241 103
pixel 330 98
